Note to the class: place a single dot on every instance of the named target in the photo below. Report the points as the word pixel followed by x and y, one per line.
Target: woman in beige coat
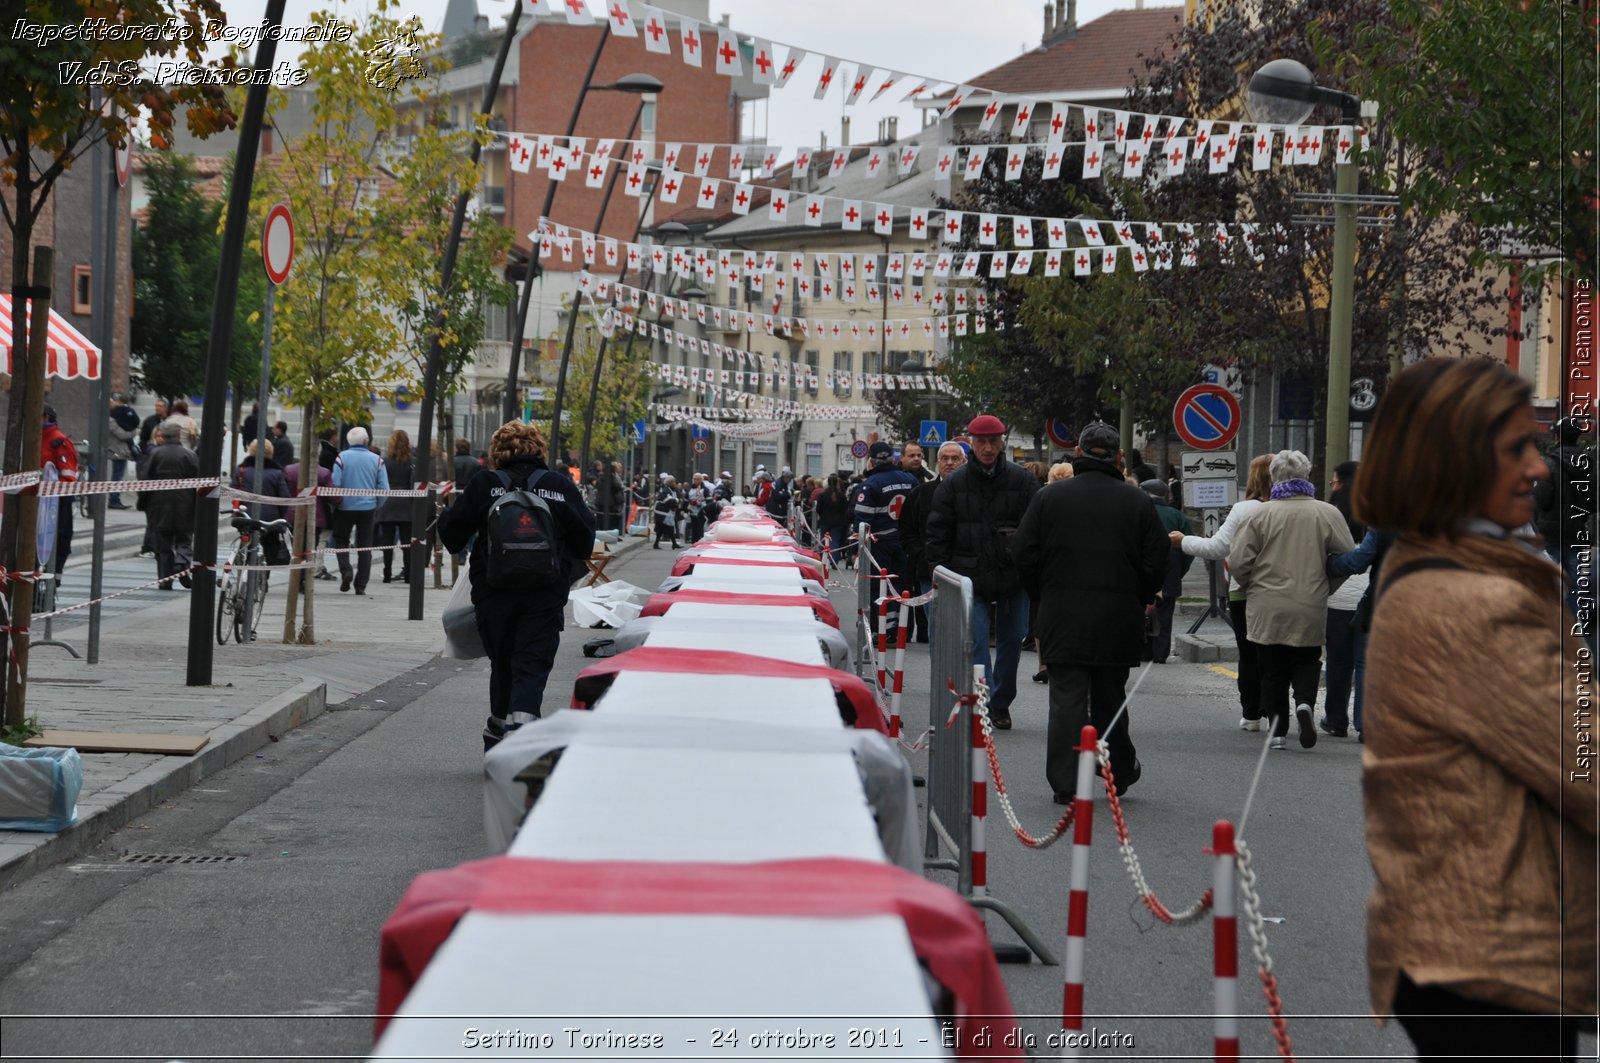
pixel 1480 793
pixel 1280 562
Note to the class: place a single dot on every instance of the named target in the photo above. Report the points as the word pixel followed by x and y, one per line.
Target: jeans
pixel 359 521
pixel 1359 652
pixel 520 639
pixel 1161 642
pixel 1286 668
pixel 119 469
pixel 1341 643
pixel 1009 619
pixel 1080 696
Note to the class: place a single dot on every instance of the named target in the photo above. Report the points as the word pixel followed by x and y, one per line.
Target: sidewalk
pixel 258 692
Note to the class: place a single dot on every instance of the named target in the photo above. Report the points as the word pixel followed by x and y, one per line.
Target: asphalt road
pixel 313 841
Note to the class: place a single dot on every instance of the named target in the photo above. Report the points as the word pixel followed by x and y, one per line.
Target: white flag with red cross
pixel 1080 263
pixel 1133 161
pixel 519 154
pixel 577 12
pixel 1021 120
pixel 830 71
pixel 595 174
pixel 764 62
pixel 610 251
pixel 975 156
pixel 1016 159
pixel 1177 156
pixel 728 60
pixel 671 185
pixel 907 159
pixel 1261 149
pixel 1093 158
pixel 742 195
pixel 841 159
pixel 1139 258
pixel 791 63
pixel 1119 131
pixel 885 80
pixel 813 211
pixel 952 226
pixel 858 84
pixel 701 164
pixel 621 18
pixel 918 89
pixel 1108 260
pixel 1344 144
pixel 558 166
pixel 1202 139
pixel 991 114
pixel 1291 145
pixel 918 224
pixel 1055 232
pixel 802 164
pixel 988 229
pixel 1021 262
pixel 1053 157
pixel 769 159
pixel 962 95
pixel 1056 131
pixel 852 215
pixel 672 158
pixel 1093 129
pixel 1022 231
pixel 944 163
pixel 883 219
pixel 690 41
pixel 1311 154
pixel 875 160
pixel 778 205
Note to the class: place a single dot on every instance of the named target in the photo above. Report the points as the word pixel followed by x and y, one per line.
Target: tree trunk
pixel 21 245
pixel 305 534
pixel 26 506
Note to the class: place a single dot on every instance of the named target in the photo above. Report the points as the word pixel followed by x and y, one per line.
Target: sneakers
pixel 1277 743
pixel 1308 732
pixel 1001 720
pixel 1249 725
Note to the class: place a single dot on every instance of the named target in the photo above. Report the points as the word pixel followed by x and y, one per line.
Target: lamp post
pixel 1284 93
pixel 642 83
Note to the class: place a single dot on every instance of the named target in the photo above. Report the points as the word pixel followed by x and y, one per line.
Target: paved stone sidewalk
pixel 258 692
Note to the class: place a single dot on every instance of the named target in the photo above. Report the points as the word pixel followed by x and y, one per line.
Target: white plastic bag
pixel 39 787
pixel 460 619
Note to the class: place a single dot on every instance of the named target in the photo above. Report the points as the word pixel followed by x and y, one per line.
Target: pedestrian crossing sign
pixel 933 433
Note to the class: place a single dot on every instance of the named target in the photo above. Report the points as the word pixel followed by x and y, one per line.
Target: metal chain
pixel 1258 947
pixel 1192 914
pixel 981 708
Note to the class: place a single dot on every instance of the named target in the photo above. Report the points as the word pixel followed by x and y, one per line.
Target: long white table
pixel 687 980
pixel 781 645
pixel 763 699
pixel 714 805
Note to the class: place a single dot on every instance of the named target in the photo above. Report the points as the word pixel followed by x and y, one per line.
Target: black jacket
pixel 914 529
pixel 974 514
pixel 1093 553
pixel 171 510
pixel 466 517
pixel 402 476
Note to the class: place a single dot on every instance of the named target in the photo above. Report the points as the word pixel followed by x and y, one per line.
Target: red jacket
pixel 58 450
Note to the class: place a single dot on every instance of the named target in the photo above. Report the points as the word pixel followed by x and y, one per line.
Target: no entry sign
pixel 277 243
pixel 1060 432
pixel 1206 417
pixel 858 449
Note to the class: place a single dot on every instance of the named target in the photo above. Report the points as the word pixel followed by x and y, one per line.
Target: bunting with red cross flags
pixel 830 66
pixel 907 159
pixel 975 158
pixel 621 19
pixel 692 41
pixel 1093 158
pixel 858 84
pixel 1024 115
pixel 791 63
pixel 728 61
pixel 742 195
pixel 1016 159
pixel 778 206
pixel 577 12
pixel 764 62
pixel 654 32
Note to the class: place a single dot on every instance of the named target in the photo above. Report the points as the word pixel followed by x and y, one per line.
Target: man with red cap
pixel 975 512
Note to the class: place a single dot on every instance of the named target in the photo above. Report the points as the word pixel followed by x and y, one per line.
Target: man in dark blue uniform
pixel 878 503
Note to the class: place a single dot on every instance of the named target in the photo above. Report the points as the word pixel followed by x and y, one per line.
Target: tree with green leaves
pixel 1502 97
pixel 175 254
pixel 65 94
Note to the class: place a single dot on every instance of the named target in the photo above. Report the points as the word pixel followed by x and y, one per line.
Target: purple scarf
pixel 1294 489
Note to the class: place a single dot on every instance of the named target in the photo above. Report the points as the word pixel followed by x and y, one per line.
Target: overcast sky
pixel 949 39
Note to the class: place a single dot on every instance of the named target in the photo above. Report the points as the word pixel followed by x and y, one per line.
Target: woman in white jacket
pixel 1258 488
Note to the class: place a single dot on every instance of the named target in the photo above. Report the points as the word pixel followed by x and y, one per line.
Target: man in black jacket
pixel 1093 551
pixel 975 513
pixel 914 532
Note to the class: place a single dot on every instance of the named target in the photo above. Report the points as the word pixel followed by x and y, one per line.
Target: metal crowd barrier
pixel 958 771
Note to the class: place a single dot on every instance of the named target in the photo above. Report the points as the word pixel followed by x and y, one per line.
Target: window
pixel 82 290
pixel 496 320
pixel 871 363
pixel 843 366
pixel 647 117
pixel 813 459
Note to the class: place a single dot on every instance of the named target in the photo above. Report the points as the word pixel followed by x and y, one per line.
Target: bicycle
pixel 238 587
pixel 86 471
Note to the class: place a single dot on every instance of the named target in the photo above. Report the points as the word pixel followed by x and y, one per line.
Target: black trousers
pixel 1249 680
pixel 1080 696
pixel 1161 641
pixel 359 521
pixel 520 638
pixel 174 552
pixel 1449 1028
pixel 1285 669
pixel 386 532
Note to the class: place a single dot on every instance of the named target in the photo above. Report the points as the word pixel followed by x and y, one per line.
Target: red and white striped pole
pixel 883 640
pixel 980 798
pixel 1225 944
pixel 1078 898
pixel 899 666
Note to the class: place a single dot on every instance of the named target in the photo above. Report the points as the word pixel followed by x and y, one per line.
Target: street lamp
pixel 636 83
pixel 1284 93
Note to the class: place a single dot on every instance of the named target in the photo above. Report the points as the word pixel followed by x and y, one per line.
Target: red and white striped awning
pixel 71 355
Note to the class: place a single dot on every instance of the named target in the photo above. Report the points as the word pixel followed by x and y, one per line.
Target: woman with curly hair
pixel 520 628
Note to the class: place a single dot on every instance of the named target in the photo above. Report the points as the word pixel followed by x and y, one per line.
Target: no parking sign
pixel 1206 417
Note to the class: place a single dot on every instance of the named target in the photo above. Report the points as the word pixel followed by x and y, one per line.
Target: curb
pixel 106 810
